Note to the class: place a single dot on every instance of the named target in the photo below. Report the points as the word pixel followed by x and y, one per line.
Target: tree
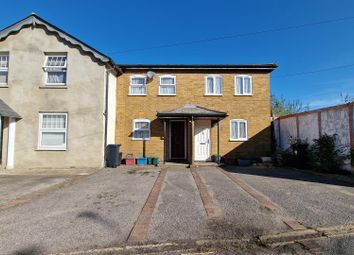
pixel 281 106
pixel 346 98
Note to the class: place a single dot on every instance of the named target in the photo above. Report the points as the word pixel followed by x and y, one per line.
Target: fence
pixel 312 124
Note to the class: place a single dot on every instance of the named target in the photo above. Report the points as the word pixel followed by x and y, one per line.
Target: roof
pixel 34 20
pixel 265 67
pixel 191 110
pixel 6 111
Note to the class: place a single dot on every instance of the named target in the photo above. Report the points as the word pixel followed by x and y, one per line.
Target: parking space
pixel 179 213
pixel 97 211
pixel 15 186
pixel 103 209
pixel 313 200
pixel 242 215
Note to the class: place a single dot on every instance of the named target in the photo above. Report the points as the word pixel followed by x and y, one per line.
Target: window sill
pixel 167 95
pixel 213 95
pixel 134 139
pixel 4 86
pixel 137 95
pixel 53 87
pixel 238 140
pixel 243 95
pixel 50 149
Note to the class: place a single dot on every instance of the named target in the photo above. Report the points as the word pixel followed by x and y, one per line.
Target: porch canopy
pixel 6 111
pixel 191 112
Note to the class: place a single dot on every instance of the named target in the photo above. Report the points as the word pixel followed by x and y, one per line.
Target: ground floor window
pixel 53 131
pixel 141 129
pixel 238 130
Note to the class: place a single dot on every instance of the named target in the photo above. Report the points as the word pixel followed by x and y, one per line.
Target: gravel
pixel 311 199
pixel 97 211
pixel 179 213
pixel 14 186
pixel 243 216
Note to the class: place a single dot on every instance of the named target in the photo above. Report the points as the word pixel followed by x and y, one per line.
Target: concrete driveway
pixel 151 205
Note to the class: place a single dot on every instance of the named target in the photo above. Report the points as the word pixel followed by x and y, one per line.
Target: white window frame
pixel 56 69
pixel 246 131
pixel 136 85
pixel 145 129
pixel 51 130
pixel 172 85
pixel 243 76
pixel 213 76
pixel 5 69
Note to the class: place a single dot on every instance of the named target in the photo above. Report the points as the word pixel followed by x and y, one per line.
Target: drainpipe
pixel 105 114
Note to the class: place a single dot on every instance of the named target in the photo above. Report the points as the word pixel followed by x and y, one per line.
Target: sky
pixel 312 41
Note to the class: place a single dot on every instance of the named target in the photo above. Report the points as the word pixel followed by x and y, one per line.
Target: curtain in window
pixel 239 85
pixel 242 130
pixel 167 90
pixel 247 85
pixel 56 77
pixel 3 77
pixel 4 61
pixel 218 85
pixel 138 90
pixel 234 130
pixel 210 85
pixel 167 81
pixel 138 81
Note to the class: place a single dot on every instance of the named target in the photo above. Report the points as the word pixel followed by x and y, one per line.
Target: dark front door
pixel 178 139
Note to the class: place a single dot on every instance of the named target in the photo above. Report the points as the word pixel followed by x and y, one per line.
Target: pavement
pixel 99 212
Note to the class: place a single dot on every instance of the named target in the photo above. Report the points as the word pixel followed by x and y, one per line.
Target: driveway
pixel 114 207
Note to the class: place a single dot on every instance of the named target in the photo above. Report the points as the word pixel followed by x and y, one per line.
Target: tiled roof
pixel 6 111
pixel 191 110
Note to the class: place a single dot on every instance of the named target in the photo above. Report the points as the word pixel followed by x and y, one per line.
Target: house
pixel 189 113
pixel 57 98
pixel 62 102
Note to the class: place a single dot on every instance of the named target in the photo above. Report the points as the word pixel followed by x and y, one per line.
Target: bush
pixel 328 155
pixel 297 155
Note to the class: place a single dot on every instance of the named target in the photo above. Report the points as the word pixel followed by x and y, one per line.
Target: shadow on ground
pixel 291 174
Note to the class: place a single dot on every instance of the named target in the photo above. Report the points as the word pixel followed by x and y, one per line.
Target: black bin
pixel 113 157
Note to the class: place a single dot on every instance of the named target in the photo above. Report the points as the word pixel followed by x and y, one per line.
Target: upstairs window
pixel 141 129
pixel 167 85
pixel 55 67
pixel 4 68
pixel 137 85
pixel 213 85
pixel 53 131
pixel 243 85
pixel 238 130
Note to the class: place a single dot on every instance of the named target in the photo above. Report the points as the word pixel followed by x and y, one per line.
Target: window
pixel 243 85
pixel 53 131
pixel 4 68
pixel 238 130
pixel 137 85
pixel 213 85
pixel 141 129
pixel 55 67
pixel 167 85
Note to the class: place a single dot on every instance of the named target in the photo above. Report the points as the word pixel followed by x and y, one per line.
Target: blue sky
pixel 121 28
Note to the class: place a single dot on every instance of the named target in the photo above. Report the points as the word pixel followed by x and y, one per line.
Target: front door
pixel 177 139
pixel 202 140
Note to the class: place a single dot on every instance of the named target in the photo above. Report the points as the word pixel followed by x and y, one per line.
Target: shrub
pixel 328 155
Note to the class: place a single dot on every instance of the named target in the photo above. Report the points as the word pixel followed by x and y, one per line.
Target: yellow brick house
pixel 189 113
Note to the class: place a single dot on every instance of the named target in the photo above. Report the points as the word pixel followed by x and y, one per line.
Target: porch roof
pixel 191 110
pixel 6 111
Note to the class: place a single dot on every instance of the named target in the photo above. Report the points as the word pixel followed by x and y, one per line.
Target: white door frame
pixel 195 143
pixel 185 139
